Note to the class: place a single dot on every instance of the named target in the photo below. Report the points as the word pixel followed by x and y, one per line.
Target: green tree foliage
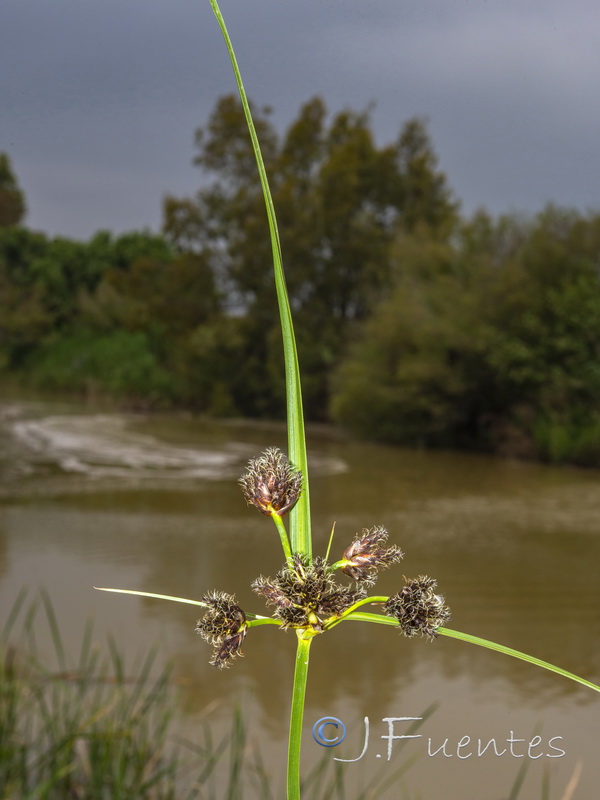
pixel 425 200
pixel 12 199
pixel 493 341
pixel 24 315
pixel 340 200
pixel 413 326
pixel 119 364
pixel 166 302
pixel 42 279
pixel 124 316
pixel 134 332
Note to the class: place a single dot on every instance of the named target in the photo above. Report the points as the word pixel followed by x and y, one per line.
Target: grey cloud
pixel 100 100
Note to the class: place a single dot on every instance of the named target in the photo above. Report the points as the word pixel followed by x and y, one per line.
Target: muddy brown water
pixel 90 496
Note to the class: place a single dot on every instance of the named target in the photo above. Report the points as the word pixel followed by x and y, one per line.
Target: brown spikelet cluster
pixel 271 483
pixel 368 553
pixel 223 626
pixel 418 609
pixel 305 593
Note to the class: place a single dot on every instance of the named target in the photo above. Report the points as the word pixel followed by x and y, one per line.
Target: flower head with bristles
pixel 304 592
pixel 418 609
pixel 367 554
pixel 224 626
pixel 271 483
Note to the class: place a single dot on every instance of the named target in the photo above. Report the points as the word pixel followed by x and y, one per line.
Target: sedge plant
pixel 309 593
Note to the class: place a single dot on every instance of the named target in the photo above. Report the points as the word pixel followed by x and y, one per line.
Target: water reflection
pixel 119 451
pixel 100 446
pixel 152 503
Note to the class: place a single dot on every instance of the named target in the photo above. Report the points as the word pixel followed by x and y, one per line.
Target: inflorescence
pixel 418 609
pixel 366 555
pixel 271 483
pixel 224 626
pixel 305 593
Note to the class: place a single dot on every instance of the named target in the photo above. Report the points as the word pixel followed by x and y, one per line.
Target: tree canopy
pixel 12 199
pixel 414 325
pixel 491 342
pixel 340 200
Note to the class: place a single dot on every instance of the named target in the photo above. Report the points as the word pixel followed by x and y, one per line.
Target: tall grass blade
pixel 569 793
pixel 84 730
pixel 377 788
pixel 366 616
pixel 546 784
pixel 235 789
pixel 300 533
pixel 519 780
pixel 54 631
pixel 509 651
pixel 86 658
pixel 12 616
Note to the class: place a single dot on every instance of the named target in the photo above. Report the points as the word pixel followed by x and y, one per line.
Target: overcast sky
pixel 99 99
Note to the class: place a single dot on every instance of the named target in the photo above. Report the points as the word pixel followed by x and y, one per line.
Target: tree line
pixel 415 325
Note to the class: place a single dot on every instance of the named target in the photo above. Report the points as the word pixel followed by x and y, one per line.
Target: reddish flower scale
pixel 367 554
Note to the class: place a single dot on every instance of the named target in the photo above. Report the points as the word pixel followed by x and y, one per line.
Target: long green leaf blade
pixel 300 533
pixel 152 594
pixel 365 616
pixel 509 651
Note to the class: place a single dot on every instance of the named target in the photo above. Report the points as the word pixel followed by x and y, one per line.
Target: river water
pixel 92 497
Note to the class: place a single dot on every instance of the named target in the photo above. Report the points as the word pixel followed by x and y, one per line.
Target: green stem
pixel 253 620
pixel 285 542
pixel 297 716
pixel 333 621
pixel 329 543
